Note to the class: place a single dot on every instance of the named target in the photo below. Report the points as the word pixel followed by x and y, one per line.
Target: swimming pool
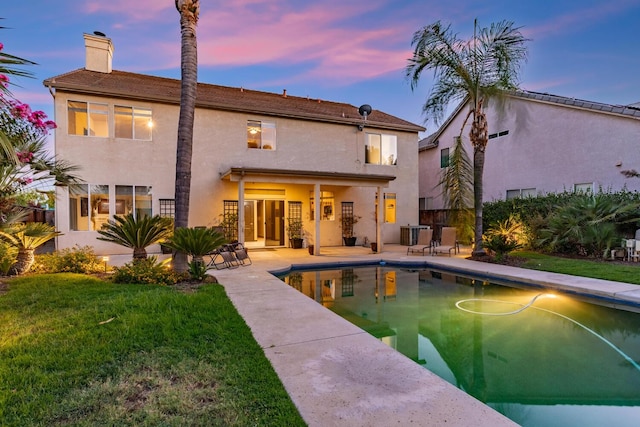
pixel 539 358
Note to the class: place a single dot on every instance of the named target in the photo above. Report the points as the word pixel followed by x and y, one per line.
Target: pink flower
pixel 1 46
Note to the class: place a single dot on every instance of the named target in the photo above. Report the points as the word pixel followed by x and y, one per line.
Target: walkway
pixel 339 375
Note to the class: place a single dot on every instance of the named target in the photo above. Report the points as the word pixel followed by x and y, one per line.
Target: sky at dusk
pixel 353 52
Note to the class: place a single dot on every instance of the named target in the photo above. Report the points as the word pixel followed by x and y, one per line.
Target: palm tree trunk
pixel 23 263
pixel 139 254
pixel 478 169
pixel 189 10
pixel 479 137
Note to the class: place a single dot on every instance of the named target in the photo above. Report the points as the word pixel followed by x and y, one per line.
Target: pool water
pixel 541 359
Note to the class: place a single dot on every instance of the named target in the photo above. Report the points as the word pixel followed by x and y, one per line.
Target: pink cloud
pixel 332 39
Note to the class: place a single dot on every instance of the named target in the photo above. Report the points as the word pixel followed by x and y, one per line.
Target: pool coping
pixel 338 374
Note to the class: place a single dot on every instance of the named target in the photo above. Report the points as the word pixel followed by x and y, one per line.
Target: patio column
pixel 316 213
pixel 379 219
pixel 241 210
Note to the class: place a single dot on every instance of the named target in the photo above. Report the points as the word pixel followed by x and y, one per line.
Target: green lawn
pixel 606 270
pixel 75 350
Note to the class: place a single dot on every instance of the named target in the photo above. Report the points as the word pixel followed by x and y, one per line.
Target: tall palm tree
pixel 474 71
pixel 189 10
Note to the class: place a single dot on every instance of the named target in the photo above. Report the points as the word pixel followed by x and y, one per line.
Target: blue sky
pixel 337 50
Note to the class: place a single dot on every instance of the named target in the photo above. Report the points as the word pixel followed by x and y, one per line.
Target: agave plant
pixel 195 242
pixel 26 237
pixel 137 234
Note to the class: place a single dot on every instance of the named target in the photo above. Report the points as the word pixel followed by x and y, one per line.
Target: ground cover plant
pixel 77 350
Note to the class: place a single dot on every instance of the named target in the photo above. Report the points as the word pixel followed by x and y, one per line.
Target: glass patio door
pixel 264 222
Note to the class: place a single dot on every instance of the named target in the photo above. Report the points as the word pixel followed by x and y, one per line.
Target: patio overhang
pixel 284 176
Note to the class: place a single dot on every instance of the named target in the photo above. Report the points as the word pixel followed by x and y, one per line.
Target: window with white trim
pixel 521 192
pixel 261 135
pixel 88 118
pixel 90 205
pixel 381 149
pixel 133 122
pixel 390 207
pixel 327 212
pixel 586 187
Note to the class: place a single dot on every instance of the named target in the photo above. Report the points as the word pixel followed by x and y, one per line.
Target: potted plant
pixel 295 232
pixel 347 223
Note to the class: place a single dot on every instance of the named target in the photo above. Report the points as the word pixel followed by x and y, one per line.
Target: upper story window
pixel 381 149
pixel 444 158
pixel 94 119
pixel 261 135
pixel 88 118
pixel 133 122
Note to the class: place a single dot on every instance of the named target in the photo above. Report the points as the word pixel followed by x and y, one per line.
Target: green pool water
pixel 541 359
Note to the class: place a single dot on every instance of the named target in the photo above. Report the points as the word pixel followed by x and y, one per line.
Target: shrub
pixel 146 271
pixel 506 236
pixel 78 259
pixel 136 233
pixel 8 255
pixel 588 225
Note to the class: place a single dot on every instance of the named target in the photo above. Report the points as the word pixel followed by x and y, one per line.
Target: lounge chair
pixel 424 241
pixel 447 241
pixel 241 253
pixel 223 257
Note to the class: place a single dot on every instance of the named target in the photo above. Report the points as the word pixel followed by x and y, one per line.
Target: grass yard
pixel 606 270
pixel 76 350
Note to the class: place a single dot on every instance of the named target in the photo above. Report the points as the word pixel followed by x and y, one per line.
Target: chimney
pixel 99 52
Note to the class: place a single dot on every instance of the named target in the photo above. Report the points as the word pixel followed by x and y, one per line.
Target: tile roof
pixel 623 110
pixel 159 89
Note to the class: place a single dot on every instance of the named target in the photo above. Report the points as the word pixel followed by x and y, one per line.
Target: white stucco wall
pixel 219 144
pixel 549 147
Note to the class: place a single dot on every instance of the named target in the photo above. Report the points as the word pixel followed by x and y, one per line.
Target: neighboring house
pixel 540 144
pixel 258 158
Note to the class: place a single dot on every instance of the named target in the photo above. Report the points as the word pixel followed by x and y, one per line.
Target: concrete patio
pixel 336 373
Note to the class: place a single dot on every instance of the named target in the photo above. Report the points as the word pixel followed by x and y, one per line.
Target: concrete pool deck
pixel 339 375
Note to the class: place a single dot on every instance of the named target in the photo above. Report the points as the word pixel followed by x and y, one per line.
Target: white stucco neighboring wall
pixel 549 147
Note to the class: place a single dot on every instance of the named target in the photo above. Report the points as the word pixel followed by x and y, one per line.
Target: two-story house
pixel 538 144
pixel 259 158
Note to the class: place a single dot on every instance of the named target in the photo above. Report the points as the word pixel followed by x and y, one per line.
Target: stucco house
pixel 259 158
pixel 540 143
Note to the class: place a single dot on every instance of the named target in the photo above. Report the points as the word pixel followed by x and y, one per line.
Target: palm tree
pixel 27 237
pixel 137 234
pixel 456 183
pixel 189 10
pixel 196 242
pixel 474 71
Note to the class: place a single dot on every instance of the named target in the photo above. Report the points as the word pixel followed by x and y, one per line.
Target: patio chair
pixel 241 253
pixel 223 258
pixel 424 242
pixel 447 241
pixel 635 256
